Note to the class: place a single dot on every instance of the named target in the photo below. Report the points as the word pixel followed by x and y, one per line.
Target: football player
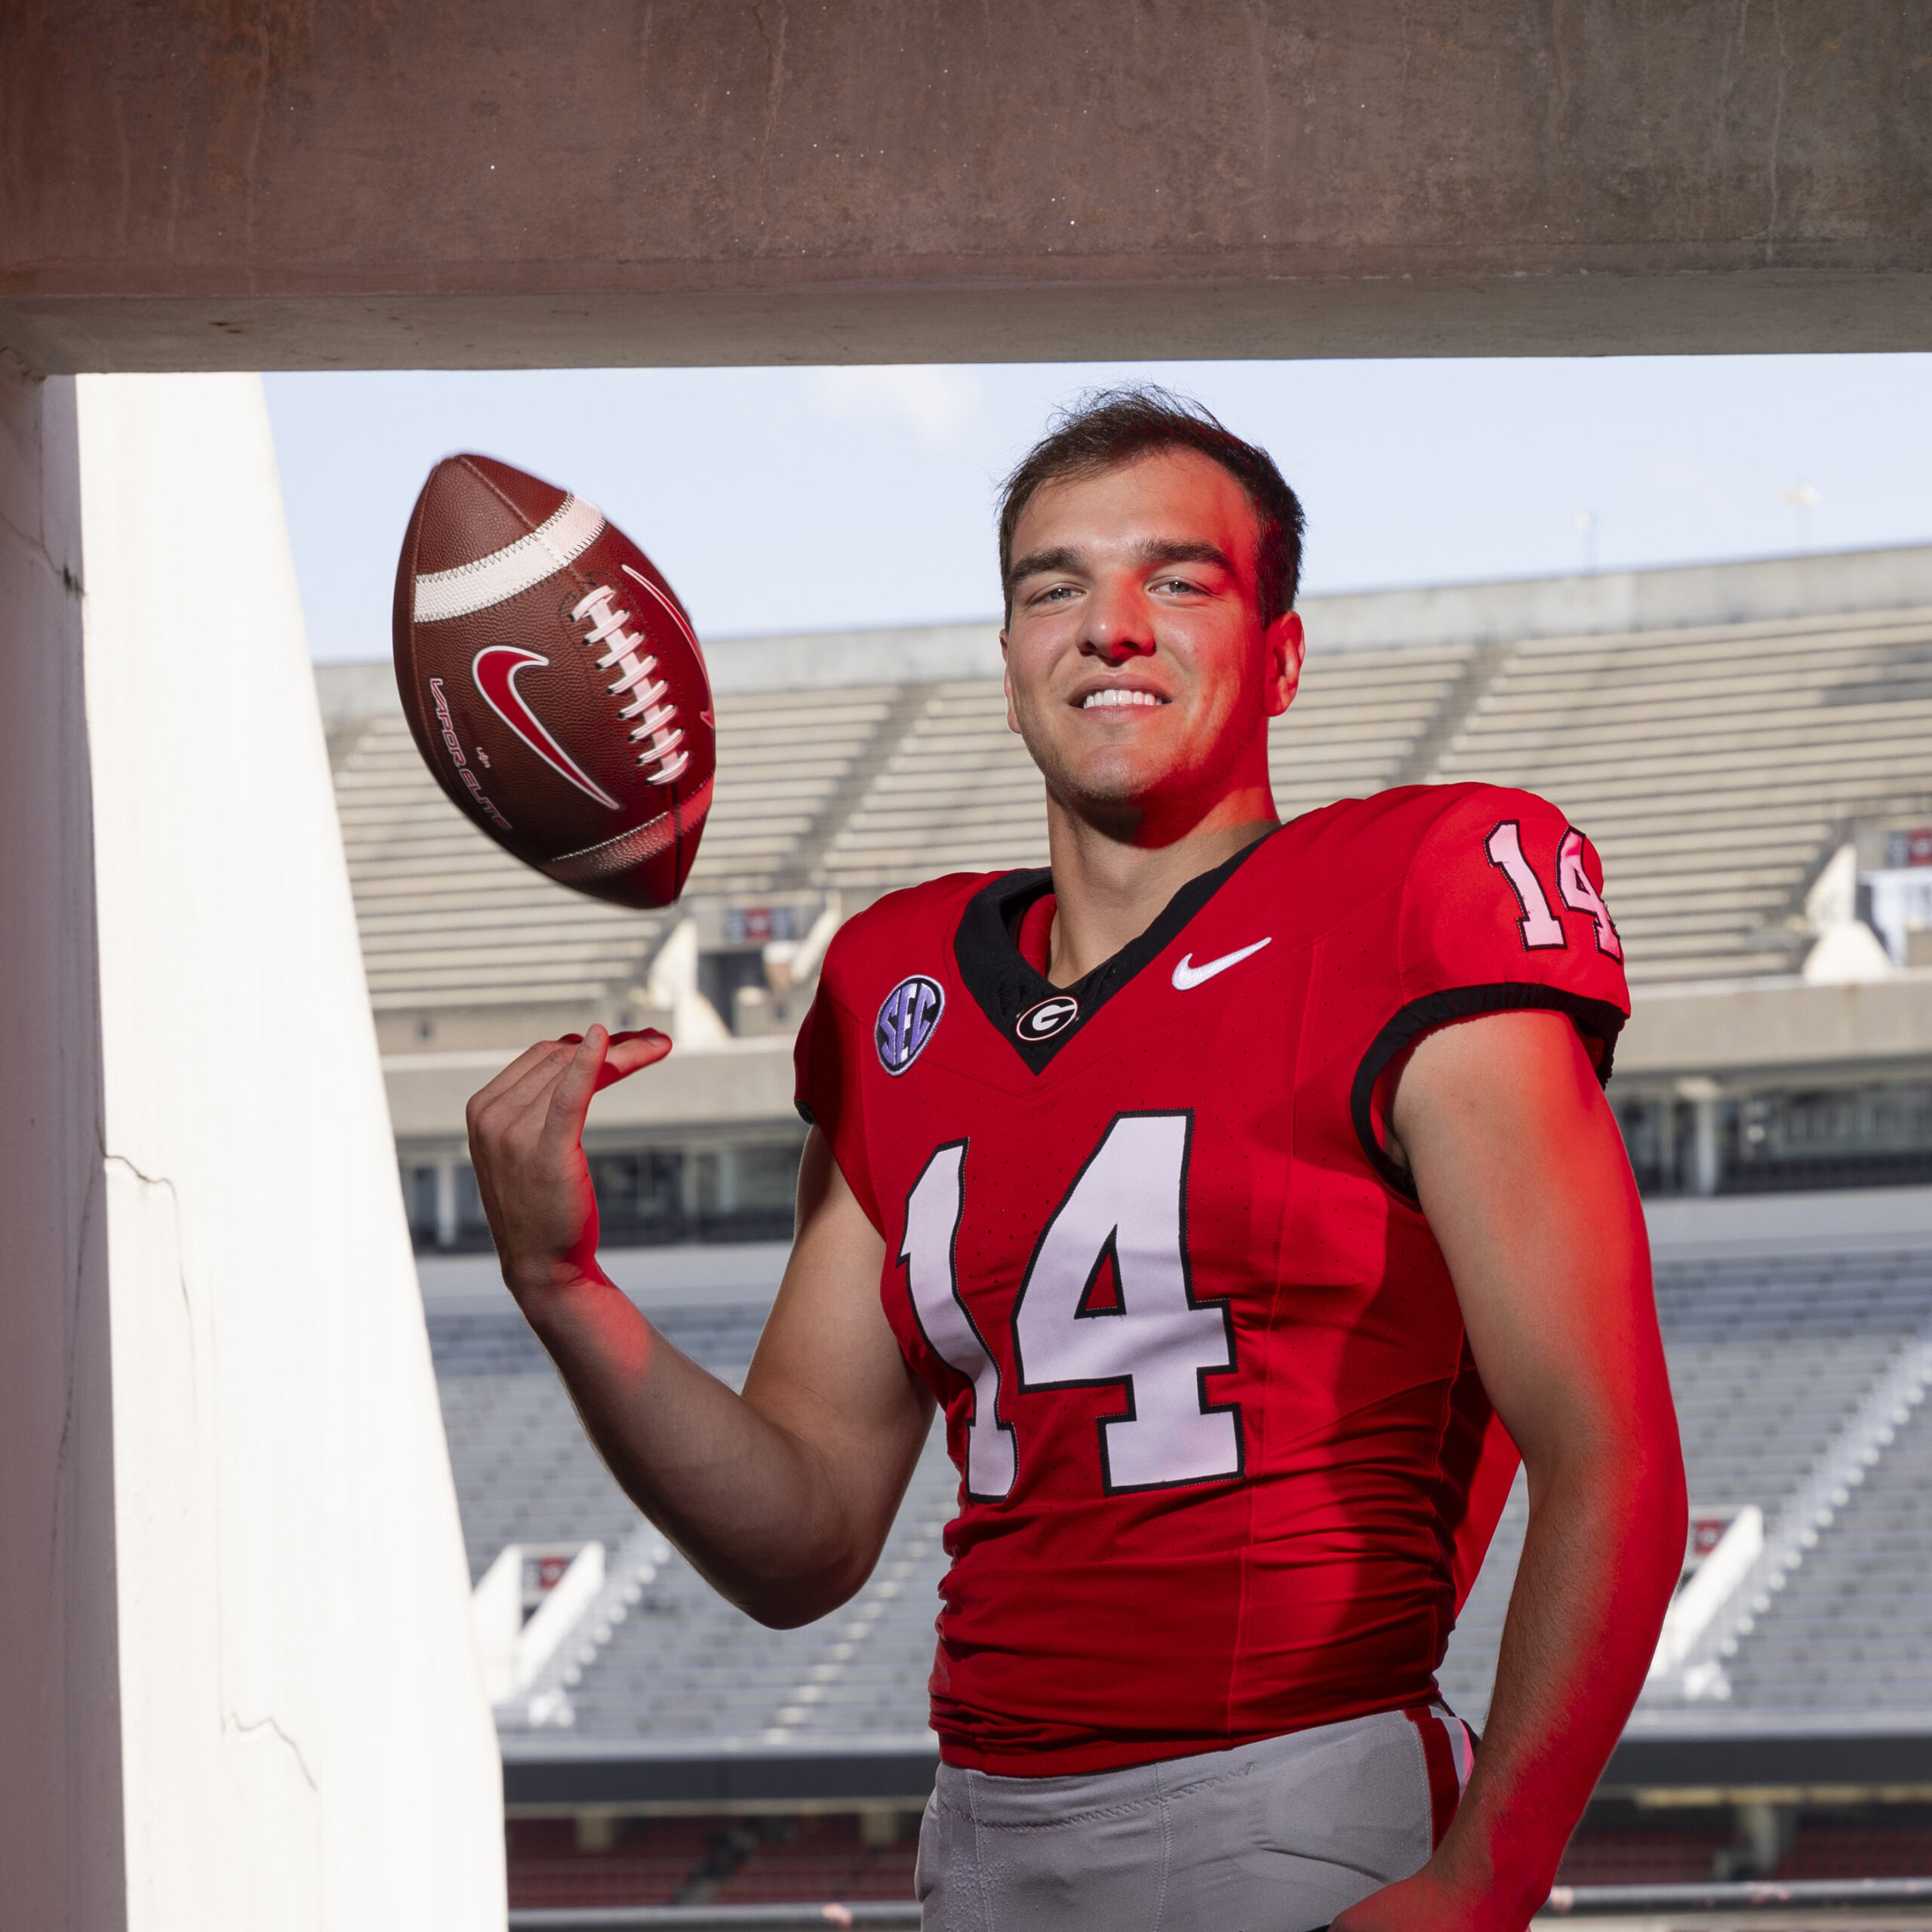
pixel 1244 1194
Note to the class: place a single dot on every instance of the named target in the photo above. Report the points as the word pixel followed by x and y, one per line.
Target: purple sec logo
pixel 906 1021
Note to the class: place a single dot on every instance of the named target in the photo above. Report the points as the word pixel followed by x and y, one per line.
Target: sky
pixel 825 499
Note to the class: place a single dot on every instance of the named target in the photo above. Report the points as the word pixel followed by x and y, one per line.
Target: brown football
pixel 553 681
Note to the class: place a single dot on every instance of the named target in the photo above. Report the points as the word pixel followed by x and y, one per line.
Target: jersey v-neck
pixel 1035 1017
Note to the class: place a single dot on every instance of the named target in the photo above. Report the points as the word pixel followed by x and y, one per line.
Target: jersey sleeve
pixel 827 1083
pixel 1501 909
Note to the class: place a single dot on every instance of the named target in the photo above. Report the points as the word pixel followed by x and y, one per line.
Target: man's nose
pixel 1117 628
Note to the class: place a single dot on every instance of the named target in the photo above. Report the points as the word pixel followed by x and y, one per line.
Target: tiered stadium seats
pixel 959 795
pixel 820 1858
pixel 1715 767
pixel 1850 1634
pixel 653 1862
pixel 782 759
pixel 450 920
pixel 1769 1357
pixel 1358 721
pixel 683 1664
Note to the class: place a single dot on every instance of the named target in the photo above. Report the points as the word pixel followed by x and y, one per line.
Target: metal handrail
pixel 1566 1901
pixel 1747 1894
pixel 743 1917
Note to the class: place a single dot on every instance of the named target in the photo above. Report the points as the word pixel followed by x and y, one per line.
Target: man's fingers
pixel 513 1075
pixel 630 1053
pixel 570 1099
pixel 530 1094
pixel 530 1082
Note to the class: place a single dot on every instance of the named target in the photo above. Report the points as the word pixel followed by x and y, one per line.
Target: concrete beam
pixel 267 185
pixel 1761 1029
pixel 733 1083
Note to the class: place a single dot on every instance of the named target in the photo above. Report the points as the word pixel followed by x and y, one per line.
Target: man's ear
pixel 1006 681
pixel 1287 646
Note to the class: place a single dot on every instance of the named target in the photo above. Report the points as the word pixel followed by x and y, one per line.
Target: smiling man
pixel 1245 1195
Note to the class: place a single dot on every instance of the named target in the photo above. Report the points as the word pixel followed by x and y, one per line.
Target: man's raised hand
pixel 526 1144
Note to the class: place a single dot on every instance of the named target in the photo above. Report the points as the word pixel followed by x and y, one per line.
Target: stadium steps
pixel 682 1666
pixel 1769 1357
pixel 1848 1634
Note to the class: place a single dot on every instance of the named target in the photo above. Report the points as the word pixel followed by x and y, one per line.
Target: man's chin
pixel 1120 796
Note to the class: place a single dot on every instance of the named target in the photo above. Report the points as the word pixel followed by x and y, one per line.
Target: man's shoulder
pixel 1399 822
pixel 914 926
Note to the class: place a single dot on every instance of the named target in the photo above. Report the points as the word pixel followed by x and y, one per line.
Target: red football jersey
pixel 1226 1467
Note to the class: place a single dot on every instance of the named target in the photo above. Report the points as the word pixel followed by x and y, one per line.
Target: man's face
pixel 1138 669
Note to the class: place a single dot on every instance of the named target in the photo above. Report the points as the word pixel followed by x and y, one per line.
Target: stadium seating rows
pixel 1715 767
pixel 1769 1358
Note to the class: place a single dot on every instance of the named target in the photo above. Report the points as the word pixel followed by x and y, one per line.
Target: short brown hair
pixel 1105 429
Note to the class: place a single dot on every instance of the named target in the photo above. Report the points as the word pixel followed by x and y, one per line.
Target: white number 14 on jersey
pixel 1127 1206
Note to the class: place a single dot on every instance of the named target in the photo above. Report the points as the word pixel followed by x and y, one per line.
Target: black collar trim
pixel 1008 988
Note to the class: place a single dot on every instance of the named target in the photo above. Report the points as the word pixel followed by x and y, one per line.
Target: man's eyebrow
pixel 1176 550
pixel 1037 563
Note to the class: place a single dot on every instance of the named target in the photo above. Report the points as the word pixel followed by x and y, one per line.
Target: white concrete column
pixel 62 1861
pixel 1707 1159
pixel 255 1649
pixel 448 1222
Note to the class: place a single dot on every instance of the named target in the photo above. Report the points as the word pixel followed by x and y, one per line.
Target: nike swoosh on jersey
pixel 494 669
pixel 1187 974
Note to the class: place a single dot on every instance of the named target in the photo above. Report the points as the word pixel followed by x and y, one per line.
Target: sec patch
pixel 907 1020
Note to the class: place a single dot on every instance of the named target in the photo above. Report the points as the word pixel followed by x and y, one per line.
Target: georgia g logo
pixel 907 1020
pixel 1051 1016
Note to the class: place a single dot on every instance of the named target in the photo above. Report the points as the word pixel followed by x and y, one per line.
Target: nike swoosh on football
pixel 494 669
pixel 1187 974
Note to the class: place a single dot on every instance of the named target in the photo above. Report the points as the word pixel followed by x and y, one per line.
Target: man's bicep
pixel 1521 1170
pixel 828 1366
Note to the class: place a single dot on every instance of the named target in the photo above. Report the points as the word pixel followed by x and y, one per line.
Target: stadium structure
pixel 1749 745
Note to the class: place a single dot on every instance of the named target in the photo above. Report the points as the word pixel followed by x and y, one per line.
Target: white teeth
pixel 1113 696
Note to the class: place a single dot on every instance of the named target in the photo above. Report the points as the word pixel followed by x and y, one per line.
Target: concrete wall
pixel 61 1861
pixel 262 184
pixel 239 1690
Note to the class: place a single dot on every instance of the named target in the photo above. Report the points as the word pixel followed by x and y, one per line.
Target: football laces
pixel 656 728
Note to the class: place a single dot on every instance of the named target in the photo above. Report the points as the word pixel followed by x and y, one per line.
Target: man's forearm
pixel 1603 1551
pixel 750 1504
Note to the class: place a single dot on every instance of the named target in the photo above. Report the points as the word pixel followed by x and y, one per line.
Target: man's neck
pixel 1109 891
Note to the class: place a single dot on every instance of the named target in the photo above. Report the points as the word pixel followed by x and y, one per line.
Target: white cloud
pixel 937 402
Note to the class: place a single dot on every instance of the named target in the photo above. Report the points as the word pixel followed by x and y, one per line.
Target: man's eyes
pixel 1058 593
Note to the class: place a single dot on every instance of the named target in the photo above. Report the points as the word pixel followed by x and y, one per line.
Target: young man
pixel 1245 1194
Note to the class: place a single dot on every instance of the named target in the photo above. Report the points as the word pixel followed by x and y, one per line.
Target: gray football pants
pixel 1275 1837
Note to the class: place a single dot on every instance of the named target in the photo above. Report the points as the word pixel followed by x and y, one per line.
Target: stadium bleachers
pixel 1769 1354
pixel 450 920
pixel 1769 1357
pixel 1716 766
